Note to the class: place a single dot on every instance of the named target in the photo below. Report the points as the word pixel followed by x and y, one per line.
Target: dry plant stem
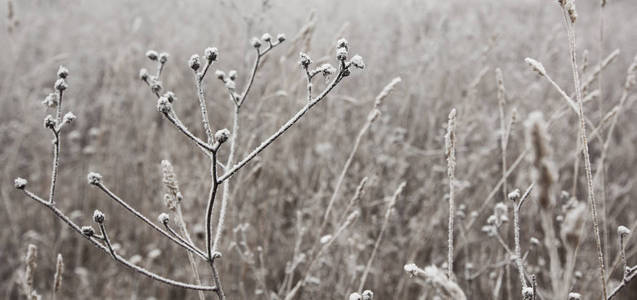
pixel 56 146
pixel 172 117
pixel 191 259
pixel 587 161
pixel 283 128
pixel 202 101
pixel 516 229
pixel 188 247
pixel 390 208
pixel 451 172
pixel 253 74
pixel 117 258
pixel 630 274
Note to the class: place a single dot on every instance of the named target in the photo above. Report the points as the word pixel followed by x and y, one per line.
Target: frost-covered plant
pixel 210 145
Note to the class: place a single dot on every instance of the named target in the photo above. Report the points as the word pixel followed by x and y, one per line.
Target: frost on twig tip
pixel 163 105
pixel 368 295
pixel 94 178
pixel 163 218
pixel 98 216
pixel 355 296
pixel 63 72
pixel 194 63
pixel 88 231
pixel 20 183
pixel 536 66
pixel 623 231
pixel 211 53
pixel 574 296
pixel 221 136
pixel 152 55
pixel 61 85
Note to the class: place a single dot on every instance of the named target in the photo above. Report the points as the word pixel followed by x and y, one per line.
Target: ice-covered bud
pixel 536 66
pixel 342 43
pixel 341 53
pixel 623 231
pixel 163 57
pixel 231 85
pixel 527 292
pixel 163 104
pixel 280 37
pixel 326 238
pixel 221 75
pixel 170 96
pixel 68 118
pixel 143 74
pixel 61 85
pixel 221 136
pixel 515 195
pixel 194 62
pixel 255 42
pixel 51 100
pixel 232 74
pixel 49 122
pixel 357 61
pixel 368 295
pixel 63 72
pixel 534 241
pixel 163 218
pixel 355 296
pixel 94 178
pixel 152 55
pixel 304 60
pixel 20 183
pixel 155 86
pixel 574 296
pixel 211 53
pixel 266 37
pixel 98 216
pixel 88 231
pixel 328 69
pixel 411 269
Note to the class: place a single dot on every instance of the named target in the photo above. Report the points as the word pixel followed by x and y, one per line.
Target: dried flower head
pixel 61 84
pixel 341 54
pixel 155 86
pixel 68 118
pixel 88 231
pixel 266 37
pixel 170 96
pixel 515 195
pixel 221 136
pixel 280 37
pixel 98 216
pixel 211 53
pixel 63 72
pixel 152 55
pixel 368 295
pixel 342 43
pixel 163 57
pixel 94 178
pixel 143 74
pixel 357 61
pixel 527 292
pixel 304 60
pixel 163 218
pixel 49 122
pixel 232 74
pixel 623 231
pixel 355 296
pixel 163 105
pixel 574 296
pixel 220 75
pixel 194 62
pixel 536 66
pixel 255 42
pixel 20 183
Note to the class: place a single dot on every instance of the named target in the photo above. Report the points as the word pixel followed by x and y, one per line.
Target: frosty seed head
pixel 163 57
pixel 152 55
pixel 63 72
pixel 211 53
pixel 221 136
pixel 94 178
pixel 194 62
pixel 536 66
pixel 232 74
pixel 255 42
pixel 368 295
pixel 304 60
pixel 574 296
pixel 623 231
pixel 357 61
pixel 20 183
pixel 51 100
pixel 527 292
pixel 143 74
pixel 155 86
pixel 515 195
pixel 341 54
pixel 49 122
pixel 163 218
pixel 327 69
pixel 355 296
pixel 163 105
pixel 98 216
pixel 280 37
pixel 534 241
pixel 68 118
pixel 411 269
pixel 61 84
pixel 221 75
pixel 170 96
pixel 266 37
pixel 88 231
pixel 342 43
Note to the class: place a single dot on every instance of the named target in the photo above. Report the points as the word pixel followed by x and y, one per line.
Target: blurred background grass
pixel 438 48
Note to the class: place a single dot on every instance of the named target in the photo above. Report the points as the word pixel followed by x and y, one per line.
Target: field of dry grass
pixel 387 181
